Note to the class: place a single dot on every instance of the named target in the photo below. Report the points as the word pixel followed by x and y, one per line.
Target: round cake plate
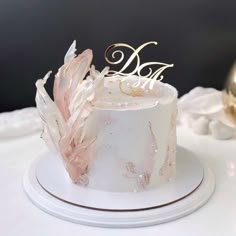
pixel 189 191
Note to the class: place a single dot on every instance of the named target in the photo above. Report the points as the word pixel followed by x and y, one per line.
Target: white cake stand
pixel 49 188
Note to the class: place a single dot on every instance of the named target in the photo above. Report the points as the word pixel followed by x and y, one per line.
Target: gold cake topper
pixel 118 57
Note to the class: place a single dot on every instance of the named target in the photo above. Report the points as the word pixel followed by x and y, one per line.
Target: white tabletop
pixel 18 216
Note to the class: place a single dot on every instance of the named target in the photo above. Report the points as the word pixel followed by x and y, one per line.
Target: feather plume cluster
pixel 64 118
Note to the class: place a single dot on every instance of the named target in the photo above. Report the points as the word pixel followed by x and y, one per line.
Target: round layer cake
pixel 135 136
pixel 113 131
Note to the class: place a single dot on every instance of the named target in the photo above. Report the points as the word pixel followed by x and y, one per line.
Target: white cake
pixel 112 133
pixel 135 138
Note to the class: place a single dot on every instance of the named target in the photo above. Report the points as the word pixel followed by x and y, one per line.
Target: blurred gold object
pixel 229 95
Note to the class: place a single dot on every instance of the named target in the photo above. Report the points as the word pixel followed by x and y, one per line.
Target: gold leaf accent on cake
pixel 153 75
pixel 134 92
pixel 143 180
pixel 130 167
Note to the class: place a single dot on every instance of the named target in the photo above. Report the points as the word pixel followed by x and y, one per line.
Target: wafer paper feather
pixel 53 122
pixel 64 118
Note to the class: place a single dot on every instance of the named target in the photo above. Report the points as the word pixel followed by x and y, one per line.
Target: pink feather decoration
pixel 64 118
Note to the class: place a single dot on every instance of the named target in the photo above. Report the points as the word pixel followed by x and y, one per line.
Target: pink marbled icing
pixel 142 172
pixel 168 169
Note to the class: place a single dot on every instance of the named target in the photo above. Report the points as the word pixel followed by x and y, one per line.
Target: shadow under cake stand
pixel 48 187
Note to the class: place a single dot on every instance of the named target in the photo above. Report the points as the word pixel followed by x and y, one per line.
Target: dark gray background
pixel 198 36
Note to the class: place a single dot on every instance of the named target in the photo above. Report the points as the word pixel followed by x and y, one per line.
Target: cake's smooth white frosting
pixel 135 139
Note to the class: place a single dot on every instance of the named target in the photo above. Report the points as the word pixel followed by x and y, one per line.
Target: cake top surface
pixel 118 95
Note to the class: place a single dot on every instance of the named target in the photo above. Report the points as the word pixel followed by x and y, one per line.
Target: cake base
pixel 192 187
